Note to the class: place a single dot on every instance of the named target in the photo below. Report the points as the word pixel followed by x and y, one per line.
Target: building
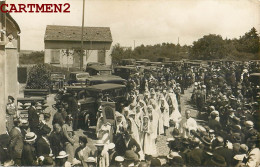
pixel 9 58
pixel 63 45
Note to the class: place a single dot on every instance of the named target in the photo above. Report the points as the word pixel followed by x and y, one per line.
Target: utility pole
pixel 82 35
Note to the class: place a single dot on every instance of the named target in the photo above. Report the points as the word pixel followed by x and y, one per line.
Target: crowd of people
pixel 223 130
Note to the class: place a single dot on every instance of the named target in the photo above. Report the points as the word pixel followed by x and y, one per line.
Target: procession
pixel 97 83
pixel 221 131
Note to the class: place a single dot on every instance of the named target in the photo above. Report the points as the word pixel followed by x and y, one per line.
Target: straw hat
pixel 119 159
pixel 90 160
pixel 62 154
pixel 30 136
pixel 111 146
pixel 99 143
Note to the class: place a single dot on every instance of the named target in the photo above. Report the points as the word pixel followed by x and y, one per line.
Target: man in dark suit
pixel 29 155
pixel 73 109
pixel 219 149
pixel 43 147
pixel 33 117
pixel 195 156
pixel 16 143
pixel 130 143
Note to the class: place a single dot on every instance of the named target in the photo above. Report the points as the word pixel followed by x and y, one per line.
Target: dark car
pixel 98 70
pixel 78 78
pixel 92 97
pixel 124 71
pixel 101 79
pixel 57 81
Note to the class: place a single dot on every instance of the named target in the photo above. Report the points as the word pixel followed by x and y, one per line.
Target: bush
pixel 38 77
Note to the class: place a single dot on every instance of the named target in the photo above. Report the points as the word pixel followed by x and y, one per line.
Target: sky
pixel 146 22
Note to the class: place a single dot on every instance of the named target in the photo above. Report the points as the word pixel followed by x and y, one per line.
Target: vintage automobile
pixel 57 81
pixel 98 70
pixel 124 71
pixel 101 79
pixel 93 96
pixel 78 78
pixel 94 64
pixel 255 78
pixel 125 62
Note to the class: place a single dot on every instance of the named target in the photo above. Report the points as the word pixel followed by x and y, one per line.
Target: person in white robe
pixel 174 112
pixel 164 107
pixel 149 140
pixel 187 125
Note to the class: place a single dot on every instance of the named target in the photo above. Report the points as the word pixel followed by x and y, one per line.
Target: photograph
pixel 130 83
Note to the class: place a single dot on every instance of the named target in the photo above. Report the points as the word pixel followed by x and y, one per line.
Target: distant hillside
pixel 31 57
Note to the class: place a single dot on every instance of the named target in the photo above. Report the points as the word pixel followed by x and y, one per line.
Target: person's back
pixel 28 155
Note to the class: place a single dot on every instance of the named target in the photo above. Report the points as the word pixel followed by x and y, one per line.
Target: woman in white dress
pixel 175 114
pixel 149 140
pixel 164 107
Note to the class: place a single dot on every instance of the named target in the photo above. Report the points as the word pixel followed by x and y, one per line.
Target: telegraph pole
pixel 82 35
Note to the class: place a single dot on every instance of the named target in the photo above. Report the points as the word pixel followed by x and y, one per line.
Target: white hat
pixel 119 159
pixel 91 160
pixel 170 139
pixel 249 124
pixel 62 154
pixel 239 157
pixel 172 155
pixel 111 146
pixel 99 143
pixel 30 136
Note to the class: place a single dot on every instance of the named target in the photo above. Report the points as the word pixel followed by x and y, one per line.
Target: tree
pixel 209 47
pixel 38 77
pixel 36 57
pixel 249 42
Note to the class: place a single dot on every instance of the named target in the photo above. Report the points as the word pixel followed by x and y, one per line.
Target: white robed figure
pixel 156 116
pixel 175 114
pixel 149 140
pixel 164 107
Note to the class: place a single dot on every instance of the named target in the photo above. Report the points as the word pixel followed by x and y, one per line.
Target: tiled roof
pixel 73 33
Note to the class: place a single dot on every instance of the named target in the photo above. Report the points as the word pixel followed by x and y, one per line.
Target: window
pixel 55 56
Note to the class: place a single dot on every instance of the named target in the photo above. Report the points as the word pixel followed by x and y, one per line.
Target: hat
pixel 99 143
pixel 203 86
pixel 206 140
pixel 62 154
pixel 239 157
pixel 155 162
pixel 30 136
pixel 219 141
pixel 172 155
pixel 211 131
pixel 47 161
pixel 249 124
pixel 217 160
pixel 45 130
pixel 90 160
pixel 170 139
pixel 237 137
pixel 215 113
pixel 111 146
pixel 243 148
pixel 46 115
pixel 11 97
pixel 119 159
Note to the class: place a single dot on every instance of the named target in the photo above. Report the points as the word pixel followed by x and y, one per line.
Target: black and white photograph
pixel 130 83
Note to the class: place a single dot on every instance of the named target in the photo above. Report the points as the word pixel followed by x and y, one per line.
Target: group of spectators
pixel 223 130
